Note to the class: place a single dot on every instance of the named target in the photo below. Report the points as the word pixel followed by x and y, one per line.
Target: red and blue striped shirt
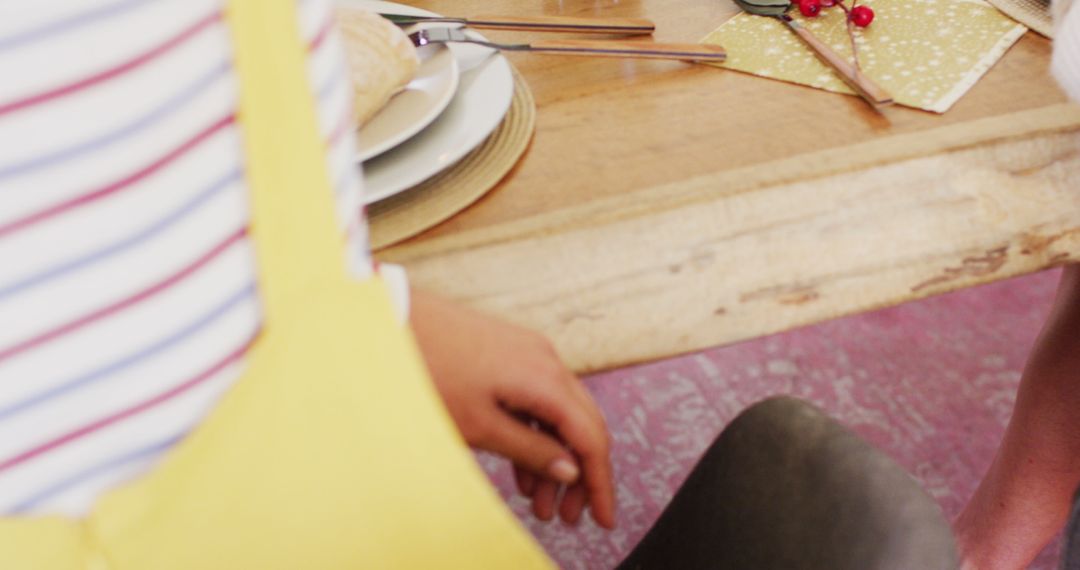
pixel 127 283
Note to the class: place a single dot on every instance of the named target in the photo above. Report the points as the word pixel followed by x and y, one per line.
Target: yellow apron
pixel 333 450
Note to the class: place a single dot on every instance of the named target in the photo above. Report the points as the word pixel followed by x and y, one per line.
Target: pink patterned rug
pixel 930 383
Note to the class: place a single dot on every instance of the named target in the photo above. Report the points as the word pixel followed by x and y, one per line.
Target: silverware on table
pixel 569 24
pixel 602 48
pixel 851 74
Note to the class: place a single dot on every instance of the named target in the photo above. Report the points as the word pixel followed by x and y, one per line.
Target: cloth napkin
pixel 926 53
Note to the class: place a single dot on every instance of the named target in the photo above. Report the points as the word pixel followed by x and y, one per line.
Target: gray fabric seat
pixel 786 487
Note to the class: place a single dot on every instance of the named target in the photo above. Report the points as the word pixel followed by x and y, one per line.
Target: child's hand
pixel 501 383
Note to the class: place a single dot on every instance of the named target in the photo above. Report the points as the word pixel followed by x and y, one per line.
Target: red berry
pixel 810 8
pixel 862 16
pixel 828 3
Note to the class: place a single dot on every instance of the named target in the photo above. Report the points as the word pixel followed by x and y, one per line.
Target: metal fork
pixel 601 48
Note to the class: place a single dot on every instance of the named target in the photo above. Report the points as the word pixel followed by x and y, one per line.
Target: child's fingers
pixel 534 450
pixel 526 481
pixel 547 491
pixel 573 503
pixel 561 405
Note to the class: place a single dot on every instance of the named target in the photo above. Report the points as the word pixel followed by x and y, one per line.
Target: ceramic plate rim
pixel 484 95
pixel 434 109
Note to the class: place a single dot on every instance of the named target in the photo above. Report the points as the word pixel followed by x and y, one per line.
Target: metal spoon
pixel 852 75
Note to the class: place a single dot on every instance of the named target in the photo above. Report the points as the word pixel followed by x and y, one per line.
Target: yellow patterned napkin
pixel 926 53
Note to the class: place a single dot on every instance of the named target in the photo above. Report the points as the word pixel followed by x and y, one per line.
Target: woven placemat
pixel 456 188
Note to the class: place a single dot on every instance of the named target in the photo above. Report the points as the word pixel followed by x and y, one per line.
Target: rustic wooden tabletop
pixel 665 207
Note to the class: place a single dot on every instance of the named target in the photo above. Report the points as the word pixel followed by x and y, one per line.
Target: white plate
pixel 484 92
pixel 419 103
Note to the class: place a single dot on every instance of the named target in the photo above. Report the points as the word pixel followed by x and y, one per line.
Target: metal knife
pixel 569 24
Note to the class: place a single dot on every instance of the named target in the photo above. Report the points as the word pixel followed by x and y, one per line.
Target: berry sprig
pixel 859 15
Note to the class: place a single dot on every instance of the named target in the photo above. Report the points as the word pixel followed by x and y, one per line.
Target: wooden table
pixel 665 207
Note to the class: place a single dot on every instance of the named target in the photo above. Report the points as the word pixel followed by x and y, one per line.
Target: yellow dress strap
pixel 333 450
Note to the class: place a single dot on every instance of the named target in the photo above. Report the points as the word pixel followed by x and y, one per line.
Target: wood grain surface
pixel 665 207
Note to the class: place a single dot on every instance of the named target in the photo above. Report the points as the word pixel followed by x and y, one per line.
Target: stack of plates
pixel 458 97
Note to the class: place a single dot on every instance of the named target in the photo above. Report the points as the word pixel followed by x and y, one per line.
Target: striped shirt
pixel 128 295
pixel 1066 59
